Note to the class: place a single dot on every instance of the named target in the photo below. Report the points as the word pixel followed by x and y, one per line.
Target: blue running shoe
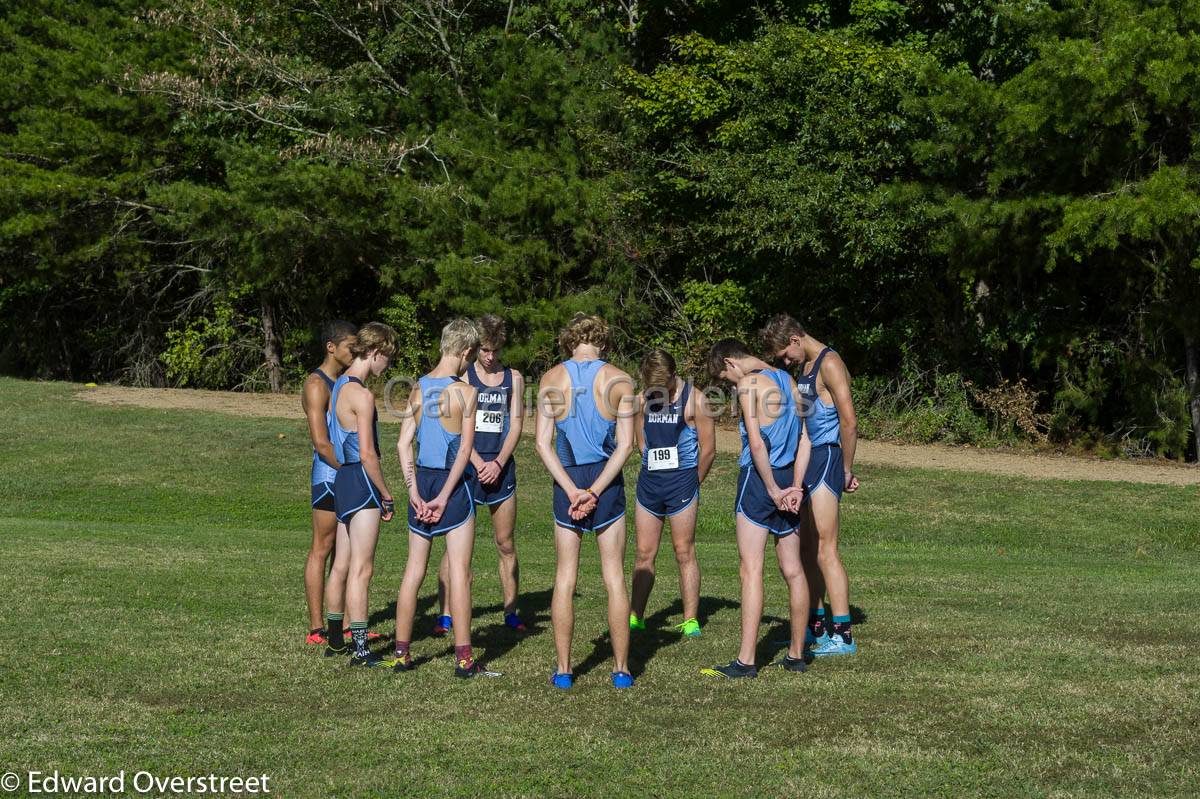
pixel 835 646
pixel 622 679
pixel 563 681
pixel 443 625
pixel 812 640
pixel 514 623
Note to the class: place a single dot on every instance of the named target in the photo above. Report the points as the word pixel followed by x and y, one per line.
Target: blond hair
pixel 375 336
pixel 778 333
pixel 584 329
pixel 493 334
pixel 458 335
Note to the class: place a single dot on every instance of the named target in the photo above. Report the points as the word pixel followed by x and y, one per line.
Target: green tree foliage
pixel 961 198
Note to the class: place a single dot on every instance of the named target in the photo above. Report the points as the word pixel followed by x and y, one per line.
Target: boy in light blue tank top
pixel 824 386
pixel 336 336
pixel 770 490
pixel 585 431
pixel 492 478
pixel 440 422
pixel 361 496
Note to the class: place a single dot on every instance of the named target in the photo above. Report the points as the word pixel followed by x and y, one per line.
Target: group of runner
pixel 457 440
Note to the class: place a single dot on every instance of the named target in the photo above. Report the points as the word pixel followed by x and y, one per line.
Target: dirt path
pixel 871 453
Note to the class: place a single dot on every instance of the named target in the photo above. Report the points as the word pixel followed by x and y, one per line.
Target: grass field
pixel 1018 637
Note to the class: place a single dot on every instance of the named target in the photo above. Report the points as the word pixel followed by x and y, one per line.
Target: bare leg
pixel 808 557
pixel 611 542
pixel 460 543
pixel 410 584
pixel 364 534
pixel 562 603
pixel 504 522
pixel 444 586
pixel 324 530
pixel 683 537
pixel 825 516
pixel 648 530
pixel 752 542
pixel 335 586
pixel 787 551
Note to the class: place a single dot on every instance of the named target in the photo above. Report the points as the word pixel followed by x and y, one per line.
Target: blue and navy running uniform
pixel 437 448
pixel 492 414
pixel 323 474
pixel 353 490
pixel 668 482
pixel 825 466
pixel 584 441
pixel 782 436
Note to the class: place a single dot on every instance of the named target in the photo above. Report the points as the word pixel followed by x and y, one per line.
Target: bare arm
pixel 466 398
pixel 516 419
pixel 551 399
pixel 363 405
pixel 639 427
pixel 803 453
pixel 622 394
pixel 837 380
pixel 315 402
pixel 748 396
pixel 706 434
pixel 408 434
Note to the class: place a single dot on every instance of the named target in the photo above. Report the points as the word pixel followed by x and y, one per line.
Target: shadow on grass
pixel 644 645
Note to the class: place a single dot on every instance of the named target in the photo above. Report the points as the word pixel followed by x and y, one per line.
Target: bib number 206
pixel 489 421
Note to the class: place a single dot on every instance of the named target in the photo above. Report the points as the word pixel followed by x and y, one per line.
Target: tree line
pixel 1005 194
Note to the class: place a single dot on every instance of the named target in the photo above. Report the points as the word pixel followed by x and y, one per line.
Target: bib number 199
pixel 662 458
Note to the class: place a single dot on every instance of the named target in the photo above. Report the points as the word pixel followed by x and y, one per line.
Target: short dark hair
pixel 337 329
pixel 725 348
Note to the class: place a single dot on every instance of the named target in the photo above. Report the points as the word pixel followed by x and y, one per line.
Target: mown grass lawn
pixel 1019 637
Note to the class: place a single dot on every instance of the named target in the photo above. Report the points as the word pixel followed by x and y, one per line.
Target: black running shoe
pixel 733 671
pixel 337 652
pixel 369 662
pixel 793 664
pixel 467 671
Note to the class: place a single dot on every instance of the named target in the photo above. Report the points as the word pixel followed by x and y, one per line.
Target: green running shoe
pixel 689 629
pixel 635 623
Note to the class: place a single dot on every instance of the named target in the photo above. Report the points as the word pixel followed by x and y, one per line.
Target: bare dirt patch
pixel 284 406
pixel 870 453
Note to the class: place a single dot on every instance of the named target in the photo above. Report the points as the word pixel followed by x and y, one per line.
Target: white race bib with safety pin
pixel 662 458
pixel 489 421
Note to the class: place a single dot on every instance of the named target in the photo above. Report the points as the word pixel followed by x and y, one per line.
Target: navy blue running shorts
pixel 353 491
pixel 825 468
pixel 754 503
pixel 460 509
pixel 610 505
pixel 666 493
pixel 322 497
pixel 497 492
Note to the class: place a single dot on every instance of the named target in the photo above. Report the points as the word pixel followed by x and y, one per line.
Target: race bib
pixel 662 458
pixel 489 421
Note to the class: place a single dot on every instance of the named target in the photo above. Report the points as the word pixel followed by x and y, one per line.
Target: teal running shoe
pixel 835 646
pixel 812 640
